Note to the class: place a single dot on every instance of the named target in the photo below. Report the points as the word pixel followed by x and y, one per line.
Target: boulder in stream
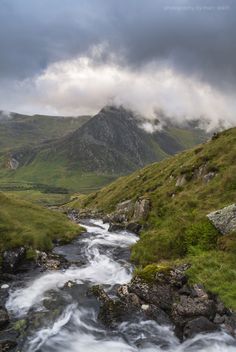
pixel 12 258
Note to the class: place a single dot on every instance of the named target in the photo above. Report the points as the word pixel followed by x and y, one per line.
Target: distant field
pixel 44 199
pixel 45 177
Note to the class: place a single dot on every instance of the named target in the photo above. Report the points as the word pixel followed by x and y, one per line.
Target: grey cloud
pixel 34 34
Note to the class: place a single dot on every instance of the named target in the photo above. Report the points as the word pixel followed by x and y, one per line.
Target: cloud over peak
pixel 76 56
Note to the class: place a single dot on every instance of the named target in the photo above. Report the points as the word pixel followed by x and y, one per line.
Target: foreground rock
pixel 4 318
pixel 199 325
pixel 169 300
pixel 12 259
pixel 224 219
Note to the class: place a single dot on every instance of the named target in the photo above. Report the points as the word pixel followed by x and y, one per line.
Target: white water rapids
pixel 104 258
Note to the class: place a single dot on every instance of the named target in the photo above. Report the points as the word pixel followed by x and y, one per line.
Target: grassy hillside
pixel 39 197
pixel 177 227
pixel 55 174
pixel 23 130
pixel 22 223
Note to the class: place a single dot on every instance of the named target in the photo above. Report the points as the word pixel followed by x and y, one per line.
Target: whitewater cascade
pixel 104 260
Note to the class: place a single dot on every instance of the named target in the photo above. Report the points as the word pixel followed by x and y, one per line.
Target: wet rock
pixel 224 219
pixel 123 291
pixel 106 219
pixel 119 218
pixel 99 293
pixel 12 259
pixel 7 345
pixel 197 326
pixel 4 318
pixel 133 300
pixel 188 308
pixel 134 227
pixel 7 277
pixel 148 311
pixel 51 261
pixel 4 294
pixel 5 287
pixel 159 294
pixel 230 324
pixel 38 319
pixel 69 284
pixel 55 300
pixel 154 313
pixel 112 312
pixel 116 227
pixel 52 264
pixel 219 319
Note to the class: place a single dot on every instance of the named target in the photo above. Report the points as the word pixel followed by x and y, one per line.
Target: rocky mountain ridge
pixel 110 144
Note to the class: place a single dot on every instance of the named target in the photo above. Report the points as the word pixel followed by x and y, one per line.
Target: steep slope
pixel 18 130
pixel 182 190
pixel 109 144
pixel 25 224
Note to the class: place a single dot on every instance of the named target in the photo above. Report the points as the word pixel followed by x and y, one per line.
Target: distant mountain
pixel 110 144
pixel 17 130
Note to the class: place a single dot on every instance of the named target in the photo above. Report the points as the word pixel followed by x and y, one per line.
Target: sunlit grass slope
pixel 29 225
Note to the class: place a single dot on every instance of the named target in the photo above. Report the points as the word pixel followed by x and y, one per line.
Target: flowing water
pixel 98 257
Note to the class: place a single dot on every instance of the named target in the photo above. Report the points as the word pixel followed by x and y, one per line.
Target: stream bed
pixel 64 315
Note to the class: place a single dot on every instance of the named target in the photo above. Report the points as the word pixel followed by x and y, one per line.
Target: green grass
pixel 177 227
pixel 55 174
pixel 216 271
pixel 24 130
pixel 38 197
pixel 29 225
pixel 187 138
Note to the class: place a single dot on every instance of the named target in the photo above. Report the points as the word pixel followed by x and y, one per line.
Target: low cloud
pixel 155 91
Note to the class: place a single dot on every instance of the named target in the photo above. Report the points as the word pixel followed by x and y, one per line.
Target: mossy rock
pixel 150 272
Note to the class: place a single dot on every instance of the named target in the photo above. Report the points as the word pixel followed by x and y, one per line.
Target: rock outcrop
pixel 129 215
pixel 12 259
pixel 224 219
pixel 169 300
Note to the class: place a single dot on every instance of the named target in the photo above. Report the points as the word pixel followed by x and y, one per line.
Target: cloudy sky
pixel 71 57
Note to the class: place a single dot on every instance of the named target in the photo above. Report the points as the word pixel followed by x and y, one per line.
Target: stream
pixel 97 257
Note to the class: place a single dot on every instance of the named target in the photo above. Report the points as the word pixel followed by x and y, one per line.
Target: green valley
pixel 102 148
